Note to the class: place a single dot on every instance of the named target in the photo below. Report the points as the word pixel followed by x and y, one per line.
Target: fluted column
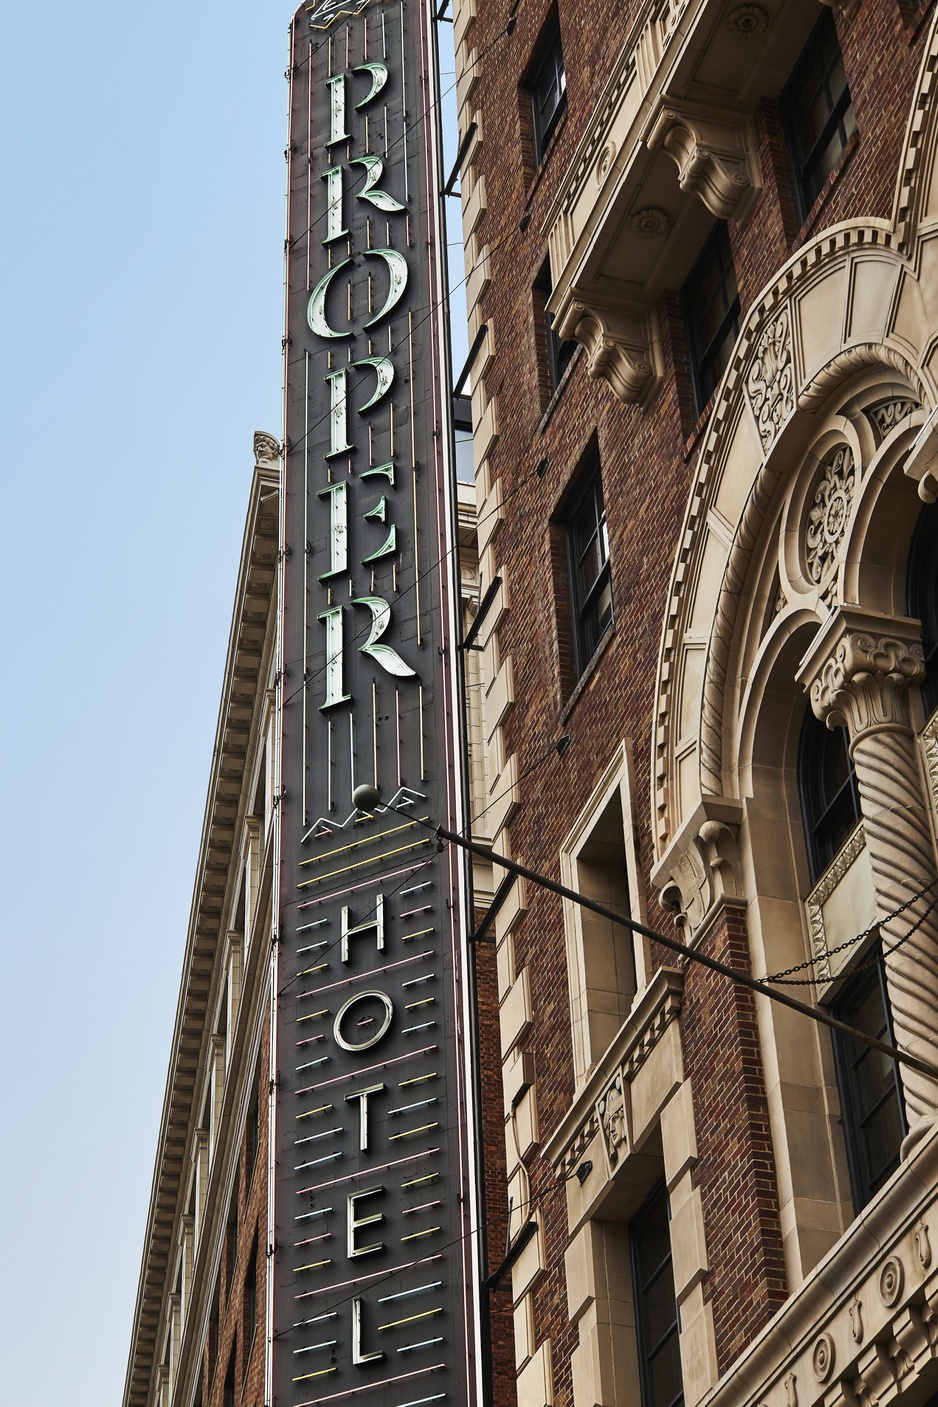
pixel 858 673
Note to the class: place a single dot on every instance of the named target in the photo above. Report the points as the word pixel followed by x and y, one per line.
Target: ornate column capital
pixel 858 671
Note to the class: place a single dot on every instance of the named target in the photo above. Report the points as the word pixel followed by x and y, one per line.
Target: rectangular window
pixel 228 1395
pixel 588 558
pixel 870 1091
pixel 711 314
pixel 252 1133
pixel 547 84
pixel 250 1305
pixel 558 352
pixel 231 1243
pixel 656 1316
pixel 817 111
pixel 462 425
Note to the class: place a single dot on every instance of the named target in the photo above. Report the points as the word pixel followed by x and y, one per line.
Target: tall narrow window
pixel 547 84
pixel 817 111
pixel 558 352
pixel 711 314
pixel 588 556
pixel 830 802
pixel 656 1317
pixel 922 598
pixel 252 1133
pixel 250 1305
pixel 228 1395
pixel 870 1092
pixel 231 1243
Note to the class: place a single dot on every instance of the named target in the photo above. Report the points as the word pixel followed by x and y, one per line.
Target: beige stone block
pixel 499 697
pixel 505 799
pixel 474 207
pixel 874 286
pixel 517 1076
pixel 580 1265
pixel 505 966
pixel 736 480
pixel 514 907
pixel 524 1330
pixel 465 13
pixel 515 1013
pixel 655 1082
pixel 688 1243
pixel 490 519
pixel 526 1128
pixel 820 318
pixel 485 433
pixel 519 1194
pixel 678 1134
pixel 479 276
pixel 532 1261
pixel 467 76
pixel 535 1381
pixel 698 1353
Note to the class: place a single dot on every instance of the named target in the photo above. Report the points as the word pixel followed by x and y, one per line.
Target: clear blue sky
pixel 141 236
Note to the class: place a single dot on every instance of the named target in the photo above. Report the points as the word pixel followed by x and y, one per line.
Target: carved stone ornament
pixel 611 1109
pixel 702 867
pixel 822 891
pixel 770 385
pixel 864 682
pixel 856 1319
pixel 886 415
pixel 619 343
pixel 747 21
pixel 829 512
pixel 651 223
pixel 791 1390
pixel 266 448
pixel 713 152
pixel 923 1245
pixel 822 1358
pixel 891 1279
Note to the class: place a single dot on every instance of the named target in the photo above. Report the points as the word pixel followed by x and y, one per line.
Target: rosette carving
pixel 829 513
pixel 770 385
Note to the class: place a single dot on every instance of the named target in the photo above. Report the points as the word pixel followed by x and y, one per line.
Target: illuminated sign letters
pixel 373 1264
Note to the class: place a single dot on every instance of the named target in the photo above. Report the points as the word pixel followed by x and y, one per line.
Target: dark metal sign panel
pixel 373 1193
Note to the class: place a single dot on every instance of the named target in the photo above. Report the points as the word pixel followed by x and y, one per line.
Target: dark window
pixel 228 1395
pixel 250 1305
pixel 231 1243
pixel 922 598
pixel 830 802
pixel 462 424
pixel 547 85
pixel 817 112
pixel 559 353
pixel 656 1318
pixel 711 313
pixel 873 1111
pixel 252 1132
pixel 213 1327
pixel 588 557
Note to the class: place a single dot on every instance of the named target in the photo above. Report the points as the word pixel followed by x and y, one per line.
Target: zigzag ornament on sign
pixel 374 1264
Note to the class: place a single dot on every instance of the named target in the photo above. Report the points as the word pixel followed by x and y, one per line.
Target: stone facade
pixel 758 551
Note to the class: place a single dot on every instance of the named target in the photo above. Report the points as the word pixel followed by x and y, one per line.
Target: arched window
pixel 830 804
pixel 922 597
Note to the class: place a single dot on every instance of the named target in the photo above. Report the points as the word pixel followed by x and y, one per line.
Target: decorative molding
pixel 887 414
pixel 654 1011
pixel 651 223
pixel 852 359
pixel 747 21
pixel 266 448
pixel 822 1358
pixel 714 154
pixel 859 669
pixel 822 891
pixel 612 1120
pixel 770 384
pixel 620 339
pixel 829 512
pixel 701 867
pixel 891 1280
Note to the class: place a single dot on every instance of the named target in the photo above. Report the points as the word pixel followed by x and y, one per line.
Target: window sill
pixel 584 679
pixel 824 193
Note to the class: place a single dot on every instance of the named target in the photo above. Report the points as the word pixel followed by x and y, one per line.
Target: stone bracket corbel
pixel 621 342
pixel 714 151
pixel 700 869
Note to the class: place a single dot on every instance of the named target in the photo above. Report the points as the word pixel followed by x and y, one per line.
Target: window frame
pixel 848 1056
pixel 641 1283
pixel 703 357
pixel 804 163
pixel 559 351
pixel 819 815
pixel 588 493
pixel 546 63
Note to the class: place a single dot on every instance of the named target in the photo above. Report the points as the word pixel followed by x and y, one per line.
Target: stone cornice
pixel 654 1011
pixel 242 696
pixel 857 1309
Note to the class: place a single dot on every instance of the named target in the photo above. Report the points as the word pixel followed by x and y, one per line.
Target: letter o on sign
pixel 384 1024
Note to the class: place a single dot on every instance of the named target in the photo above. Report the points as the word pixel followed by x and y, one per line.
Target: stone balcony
pixel 671 145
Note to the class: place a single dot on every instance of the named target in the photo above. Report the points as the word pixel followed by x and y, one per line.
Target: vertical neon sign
pixel 373 1267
